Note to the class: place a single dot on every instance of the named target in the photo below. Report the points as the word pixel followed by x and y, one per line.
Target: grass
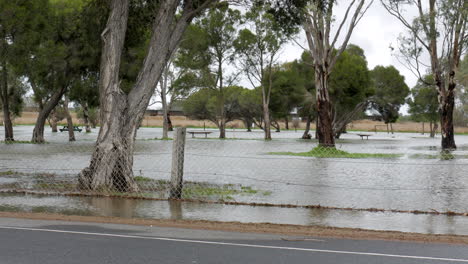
pixel 326 152
pixel 20 142
pixel 442 156
pixel 9 173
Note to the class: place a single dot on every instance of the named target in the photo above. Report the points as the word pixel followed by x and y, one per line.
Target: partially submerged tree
pixel 259 46
pixel 349 88
pixel 423 104
pixel 19 23
pixel 121 112
pixel 440 30
pixel 324 49
pixel 208 50
pixel 390 93
pixel 205 104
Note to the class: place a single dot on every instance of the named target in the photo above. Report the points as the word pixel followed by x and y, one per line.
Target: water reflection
pixel 132 208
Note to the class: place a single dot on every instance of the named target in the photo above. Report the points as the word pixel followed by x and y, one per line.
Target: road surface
pixel 40 241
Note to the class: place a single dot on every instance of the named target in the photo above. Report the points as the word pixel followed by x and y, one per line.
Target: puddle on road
pixel 133 208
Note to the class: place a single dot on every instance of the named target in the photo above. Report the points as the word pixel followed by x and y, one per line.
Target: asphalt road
pixel 38 241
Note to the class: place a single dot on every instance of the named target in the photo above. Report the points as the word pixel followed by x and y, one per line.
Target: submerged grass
pixel 328 152
pixel 20 142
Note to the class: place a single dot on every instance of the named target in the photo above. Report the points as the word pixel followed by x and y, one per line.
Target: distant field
pixel 29 118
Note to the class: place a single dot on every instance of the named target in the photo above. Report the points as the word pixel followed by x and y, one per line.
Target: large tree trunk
pixel 165 105
pixel 324 114
pixel 38 131
pixel 71 132
pixel 5 96
pixel 248 125
pixel 7 122
pixel 447 104
pixel 306 134
pixel 286 122
pixel 222 128
pixel 267 122
pixel 86 118
pixel 53 121
pixel 112 160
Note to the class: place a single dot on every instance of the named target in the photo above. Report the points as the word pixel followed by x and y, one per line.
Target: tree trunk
pixel 5 96
pixel 286 122
pixel 306 134
pixel 422 128
pixel 222 128
pixel 86 118
pixel 7 122
pixel 169 123
pixel 324 114
pixel 447 105
pixel 267 122
pixel 248 125
pixel 431 128
pixel 165 105
pixel 38 131
pixel 71 132
pixel 391 128
pixel 53 121
pixel 112 160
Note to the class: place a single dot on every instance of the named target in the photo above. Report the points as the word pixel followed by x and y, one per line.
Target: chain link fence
pixel 375 175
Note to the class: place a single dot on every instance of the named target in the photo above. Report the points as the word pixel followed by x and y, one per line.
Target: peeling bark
pixel 112 160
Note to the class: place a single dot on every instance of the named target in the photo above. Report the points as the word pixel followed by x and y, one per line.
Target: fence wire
pixel 255 172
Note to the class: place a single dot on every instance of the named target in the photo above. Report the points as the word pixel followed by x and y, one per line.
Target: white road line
pixel 235 244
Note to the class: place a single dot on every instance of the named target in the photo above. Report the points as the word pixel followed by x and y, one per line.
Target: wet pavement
pixel 414 181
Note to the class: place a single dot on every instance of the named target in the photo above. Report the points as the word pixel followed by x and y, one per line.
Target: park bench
pixel 364 135
pixel 75 128
pixel 199 132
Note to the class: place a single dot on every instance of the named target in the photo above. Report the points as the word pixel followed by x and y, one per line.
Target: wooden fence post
pixel 177 171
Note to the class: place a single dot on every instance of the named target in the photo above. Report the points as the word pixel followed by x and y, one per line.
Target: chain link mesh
pixel 244 169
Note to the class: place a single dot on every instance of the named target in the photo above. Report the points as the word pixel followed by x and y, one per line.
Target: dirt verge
pixel 291 230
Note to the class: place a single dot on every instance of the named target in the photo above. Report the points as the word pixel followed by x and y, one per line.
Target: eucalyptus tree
pixel 204 104
pixel 440 32
pixel 259 46
pixel 349 88
pixel 19 24
pixel 390 92
pixel 423 104
pixel 122 111
pixel 322 42
pixel 207 51
pixel 56 58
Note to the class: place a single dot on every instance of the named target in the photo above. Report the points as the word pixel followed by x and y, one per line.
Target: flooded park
pixel 414 178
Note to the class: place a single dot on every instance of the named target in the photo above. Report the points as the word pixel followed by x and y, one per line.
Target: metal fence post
pixel 177 171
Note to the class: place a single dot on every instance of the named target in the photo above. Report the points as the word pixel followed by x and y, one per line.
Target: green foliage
pixel 424 106
pixel 208 104
pixel 350 81
pixel 288 89
pixel 327 152
pixel 460 115
pixel 390 92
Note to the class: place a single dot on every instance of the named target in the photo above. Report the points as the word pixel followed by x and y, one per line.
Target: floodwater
pixel 413 181
pixel 133 208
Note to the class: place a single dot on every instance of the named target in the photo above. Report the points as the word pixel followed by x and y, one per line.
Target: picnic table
pixel 364 135
pixel 199 132
pixel 75 128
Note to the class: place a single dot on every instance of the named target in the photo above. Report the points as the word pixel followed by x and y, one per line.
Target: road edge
pixel 265 228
